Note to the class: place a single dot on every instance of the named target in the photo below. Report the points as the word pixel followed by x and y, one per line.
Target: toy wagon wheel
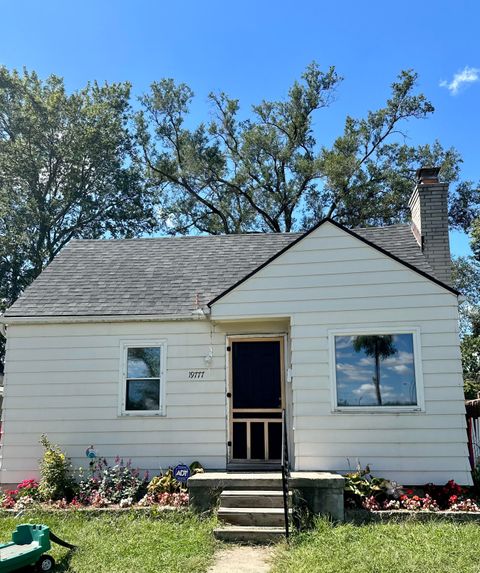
pixel 45 563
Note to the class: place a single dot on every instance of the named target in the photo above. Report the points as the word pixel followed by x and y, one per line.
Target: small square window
pixel 375 371
pixel 143 379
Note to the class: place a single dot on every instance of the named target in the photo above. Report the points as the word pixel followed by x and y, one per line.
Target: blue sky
pixel 254 50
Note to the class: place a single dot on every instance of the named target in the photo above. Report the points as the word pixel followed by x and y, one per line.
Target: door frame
pixel 282 339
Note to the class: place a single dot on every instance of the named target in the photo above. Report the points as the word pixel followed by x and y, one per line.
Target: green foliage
pixel 108 484
pixel 267 172
pixel 130 542
pixel 65 172
pixel 165 483
pixel 470 347
pixel 466 278
pixel 233 175
pixel 56 481
pixel 196 468
pixel 475 244
pixel 404 547
pixel 361 484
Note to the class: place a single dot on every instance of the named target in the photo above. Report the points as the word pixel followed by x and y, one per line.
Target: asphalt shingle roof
pixel 166 275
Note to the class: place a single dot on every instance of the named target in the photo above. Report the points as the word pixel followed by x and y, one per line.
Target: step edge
pixel 252 492
pixel 251 528
pixel 276 510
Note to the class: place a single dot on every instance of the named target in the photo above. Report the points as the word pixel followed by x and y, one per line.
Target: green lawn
pixel 125 543
pixel 435 547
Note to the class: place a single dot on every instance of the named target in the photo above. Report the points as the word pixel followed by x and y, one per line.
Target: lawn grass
pixel 126 542
pixel 408 547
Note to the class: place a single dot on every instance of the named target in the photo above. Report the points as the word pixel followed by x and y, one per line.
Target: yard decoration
pixel 181 473
pixel 29 546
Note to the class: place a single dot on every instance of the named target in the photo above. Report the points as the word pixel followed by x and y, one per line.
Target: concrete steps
pixel 251 498
pixel 253 516
pixel 250 534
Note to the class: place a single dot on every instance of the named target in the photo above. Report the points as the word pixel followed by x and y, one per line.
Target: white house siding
pixel 331 280
pixel 63 380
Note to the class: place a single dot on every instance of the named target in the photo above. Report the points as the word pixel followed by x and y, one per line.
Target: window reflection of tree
pixel 142 395
pixel 150 357
pixel 379 347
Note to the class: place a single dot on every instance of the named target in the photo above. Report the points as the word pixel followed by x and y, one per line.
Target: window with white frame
pixel 143 378
pixel 376 371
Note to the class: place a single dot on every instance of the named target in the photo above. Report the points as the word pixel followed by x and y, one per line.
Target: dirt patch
pixel 242 559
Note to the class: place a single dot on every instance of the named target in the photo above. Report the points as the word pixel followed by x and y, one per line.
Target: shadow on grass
pixel 63 564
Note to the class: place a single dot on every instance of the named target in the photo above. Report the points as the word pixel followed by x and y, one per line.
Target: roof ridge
pixel 381 227
pixel 162 237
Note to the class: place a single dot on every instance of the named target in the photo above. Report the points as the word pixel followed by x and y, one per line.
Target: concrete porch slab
pixel 267 480
pixel 321 492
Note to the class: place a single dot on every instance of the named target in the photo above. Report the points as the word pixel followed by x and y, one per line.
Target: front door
pixel 256 399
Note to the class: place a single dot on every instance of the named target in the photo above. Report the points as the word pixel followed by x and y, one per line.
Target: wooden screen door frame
pixel 281 338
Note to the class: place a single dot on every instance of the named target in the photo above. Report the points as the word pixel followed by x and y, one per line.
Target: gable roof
pixel 388 240
pixel 176 275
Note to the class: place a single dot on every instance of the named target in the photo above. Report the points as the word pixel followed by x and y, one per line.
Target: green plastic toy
pixel 28 546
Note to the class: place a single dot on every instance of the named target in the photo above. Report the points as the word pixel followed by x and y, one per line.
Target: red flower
pixel 452 499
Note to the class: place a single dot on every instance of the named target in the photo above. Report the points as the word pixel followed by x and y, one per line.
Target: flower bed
pixel 362 516
pixel 366 492
pixel 101 486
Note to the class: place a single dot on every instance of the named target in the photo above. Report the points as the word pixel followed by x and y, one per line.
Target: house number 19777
pixel 196 374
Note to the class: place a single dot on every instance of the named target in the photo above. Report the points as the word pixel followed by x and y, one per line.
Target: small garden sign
pixel 181 473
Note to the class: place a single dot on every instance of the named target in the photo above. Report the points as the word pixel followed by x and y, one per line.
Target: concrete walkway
pixel 242 559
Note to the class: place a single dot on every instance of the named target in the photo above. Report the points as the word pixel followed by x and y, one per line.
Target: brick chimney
pixel 429 208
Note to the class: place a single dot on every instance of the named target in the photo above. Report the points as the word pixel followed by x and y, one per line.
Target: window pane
pixel 143 395
pixel 143 363
pixel 375 370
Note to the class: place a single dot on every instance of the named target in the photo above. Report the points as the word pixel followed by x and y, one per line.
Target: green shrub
pixel 56 481
pixel 165 483
pixel 360 484
pixel 107 484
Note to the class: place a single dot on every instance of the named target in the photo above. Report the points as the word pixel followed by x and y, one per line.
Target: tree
pixel 470 347
pixel 65 172
pixel 467 280
pixel 378 347
pixel 475 243
pixel 267 173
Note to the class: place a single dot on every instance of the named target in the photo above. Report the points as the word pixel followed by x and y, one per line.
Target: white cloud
pixel 462 78
pixel 353 372
pixel 368 389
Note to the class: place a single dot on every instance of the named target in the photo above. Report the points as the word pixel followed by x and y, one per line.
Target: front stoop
pixel 320 492
pixel 251 516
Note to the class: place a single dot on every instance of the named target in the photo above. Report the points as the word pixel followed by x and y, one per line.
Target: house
pixel 168 350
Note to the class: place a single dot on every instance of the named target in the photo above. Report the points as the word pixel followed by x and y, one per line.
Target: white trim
pixel 228 343
pixel 99 318
pixel 122 388
pixel 417 363
pixel 257 317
